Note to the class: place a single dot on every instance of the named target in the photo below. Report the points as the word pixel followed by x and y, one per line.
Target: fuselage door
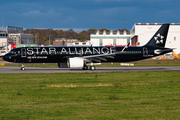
pixel 23 52
pixel 145 52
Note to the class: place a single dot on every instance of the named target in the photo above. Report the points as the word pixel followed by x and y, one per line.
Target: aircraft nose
pixel 5 57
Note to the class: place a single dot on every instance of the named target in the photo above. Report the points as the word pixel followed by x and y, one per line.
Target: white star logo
pixel 159 39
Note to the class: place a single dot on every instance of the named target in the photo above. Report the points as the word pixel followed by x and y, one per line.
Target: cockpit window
pixel 12 52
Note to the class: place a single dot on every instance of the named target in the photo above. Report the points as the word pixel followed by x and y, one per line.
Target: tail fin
pixel 159 38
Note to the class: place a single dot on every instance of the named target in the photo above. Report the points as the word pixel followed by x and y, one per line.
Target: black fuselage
pixel 61 54
pixel 73 57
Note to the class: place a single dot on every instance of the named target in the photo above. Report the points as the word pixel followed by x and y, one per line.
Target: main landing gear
pixel 22 67
pixel 92 67
pixel 85 67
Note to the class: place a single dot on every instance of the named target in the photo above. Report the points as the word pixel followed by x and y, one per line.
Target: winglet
pixel 125 47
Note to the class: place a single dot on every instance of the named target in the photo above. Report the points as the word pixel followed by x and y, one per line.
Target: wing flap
pixel 103 57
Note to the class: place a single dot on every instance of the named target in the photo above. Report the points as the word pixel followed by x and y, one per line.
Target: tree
pixel 102 30
pixel 92 30
pixel 43 34
pixel 81 36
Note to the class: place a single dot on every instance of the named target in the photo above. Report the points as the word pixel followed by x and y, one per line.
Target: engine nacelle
pixel 76 62
pixel 63 65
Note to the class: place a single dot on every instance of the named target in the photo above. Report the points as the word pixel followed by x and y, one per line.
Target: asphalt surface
pixel 7 69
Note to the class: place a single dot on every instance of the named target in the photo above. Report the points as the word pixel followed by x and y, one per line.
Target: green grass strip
pixel 112 95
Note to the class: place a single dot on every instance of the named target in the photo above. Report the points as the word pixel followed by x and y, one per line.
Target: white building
pixel 141 33
pixel 13 38
pixel 102 39
pixel 3 39
pixel 77 43
pixel 3 43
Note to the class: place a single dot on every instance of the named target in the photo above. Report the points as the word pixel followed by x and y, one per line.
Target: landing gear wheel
pixel 22 68
pixel 92 68
pixel 85 67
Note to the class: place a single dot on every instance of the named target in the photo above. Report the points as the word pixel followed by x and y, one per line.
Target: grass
pixel 113 95
pixel 1 59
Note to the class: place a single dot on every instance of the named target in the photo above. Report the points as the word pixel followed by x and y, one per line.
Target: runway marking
pixel 1 64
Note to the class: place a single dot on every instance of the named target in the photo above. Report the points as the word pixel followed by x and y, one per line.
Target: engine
pixel 76 62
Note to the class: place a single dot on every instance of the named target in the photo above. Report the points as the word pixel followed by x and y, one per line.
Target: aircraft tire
pixel 85 67
pixel 22 68
pixel 92 68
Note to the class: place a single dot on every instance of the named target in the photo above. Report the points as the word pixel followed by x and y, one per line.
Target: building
pixel 6 40
pixel 77 43
pixel 59 42
pixel 102 39
pixel 3 39
pixel 13 35
pixel 141 33
pixel 16 36
pixel 19 38
pixel 12 29
pixel 70 42
pixel 3 44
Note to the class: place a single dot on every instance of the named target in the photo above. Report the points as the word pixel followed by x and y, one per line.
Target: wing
pixel 103 57
pixel 99 58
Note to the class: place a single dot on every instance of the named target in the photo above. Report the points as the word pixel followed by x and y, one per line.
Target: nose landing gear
pixel 22 67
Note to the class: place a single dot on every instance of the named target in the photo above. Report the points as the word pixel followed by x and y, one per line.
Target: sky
pixel 85 14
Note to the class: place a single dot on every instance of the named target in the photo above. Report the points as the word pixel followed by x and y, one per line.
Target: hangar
pixel 142 32
pixel 102 39
pixel 139 35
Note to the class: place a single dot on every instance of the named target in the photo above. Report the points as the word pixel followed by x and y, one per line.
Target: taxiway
pixel 8 69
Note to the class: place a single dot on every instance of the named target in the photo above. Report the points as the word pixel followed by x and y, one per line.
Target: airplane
pixel 79 57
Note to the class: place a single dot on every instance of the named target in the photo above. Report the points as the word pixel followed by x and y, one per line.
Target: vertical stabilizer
pixel 159 38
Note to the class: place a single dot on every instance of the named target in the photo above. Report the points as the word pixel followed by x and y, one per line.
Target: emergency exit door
pixel 145 52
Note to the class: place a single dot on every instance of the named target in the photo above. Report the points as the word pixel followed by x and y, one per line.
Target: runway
pixel 7 69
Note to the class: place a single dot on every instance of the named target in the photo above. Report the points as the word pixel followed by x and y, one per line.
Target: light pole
pixel 36 38
pixel 49 39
